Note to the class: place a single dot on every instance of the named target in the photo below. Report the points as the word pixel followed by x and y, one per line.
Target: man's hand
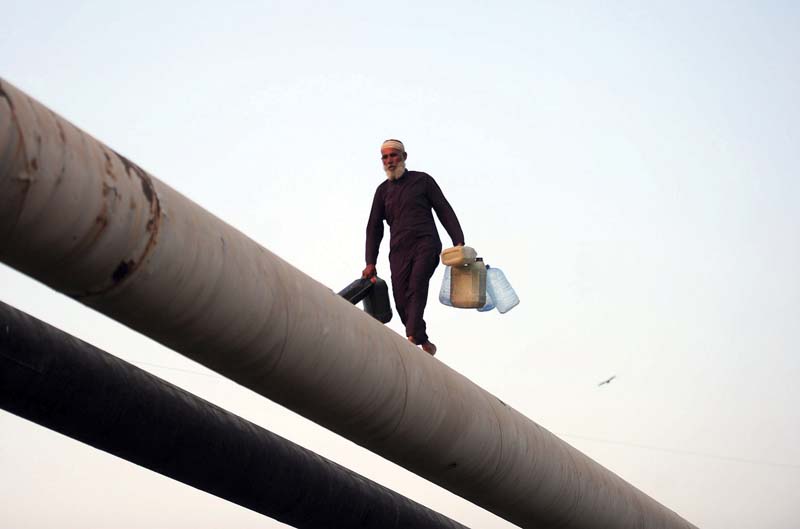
pixel 370 272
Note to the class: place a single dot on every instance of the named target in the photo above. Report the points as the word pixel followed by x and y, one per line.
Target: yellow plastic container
pixel 468 285
pixel 458 256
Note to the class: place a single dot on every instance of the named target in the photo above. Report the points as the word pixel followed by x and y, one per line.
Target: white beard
pixel 397 172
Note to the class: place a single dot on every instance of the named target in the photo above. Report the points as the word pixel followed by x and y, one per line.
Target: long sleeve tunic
pixel 406 204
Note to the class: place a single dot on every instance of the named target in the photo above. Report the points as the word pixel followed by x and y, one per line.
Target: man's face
pixel 393 162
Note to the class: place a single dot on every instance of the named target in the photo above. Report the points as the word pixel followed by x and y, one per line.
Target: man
pixel 405 201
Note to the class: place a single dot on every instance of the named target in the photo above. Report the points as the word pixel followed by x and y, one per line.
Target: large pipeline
pixel 93 225
pixel 67 385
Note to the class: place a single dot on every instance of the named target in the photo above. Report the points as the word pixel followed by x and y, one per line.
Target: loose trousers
pixel 412 270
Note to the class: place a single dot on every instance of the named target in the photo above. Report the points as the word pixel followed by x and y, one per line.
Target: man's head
pixel 393 156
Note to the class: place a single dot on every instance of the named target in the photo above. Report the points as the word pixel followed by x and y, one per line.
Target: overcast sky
pixel 630 166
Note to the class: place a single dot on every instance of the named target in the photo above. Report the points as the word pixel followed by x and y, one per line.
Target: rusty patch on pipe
pixel 127 268
pixel 101 220
pixel 109 167
pixel 147 182
pixel 63 137
pixel 123 270
pixel 110 189
pixel 20 153
pixel 99 226
pixel 61 133
pixel 21 150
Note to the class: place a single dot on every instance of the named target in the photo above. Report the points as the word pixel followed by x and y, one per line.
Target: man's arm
pixel 445 212
pixel 374 229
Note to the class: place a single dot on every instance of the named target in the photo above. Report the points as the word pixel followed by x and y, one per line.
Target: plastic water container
pixel 357 290
pixel 376 304
pixel 500 289
pixel 444 292
pixel 468 285
pixel 374 295
pixel 458 256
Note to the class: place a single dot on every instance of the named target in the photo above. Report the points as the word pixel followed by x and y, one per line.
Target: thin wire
pixel 684 452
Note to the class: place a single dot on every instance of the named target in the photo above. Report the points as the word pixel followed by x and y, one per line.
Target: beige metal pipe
pixel 86 221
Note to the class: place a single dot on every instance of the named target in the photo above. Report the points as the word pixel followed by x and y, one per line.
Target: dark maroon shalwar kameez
pixel 405 204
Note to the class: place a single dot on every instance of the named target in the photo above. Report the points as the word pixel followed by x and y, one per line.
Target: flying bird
pixel 608 380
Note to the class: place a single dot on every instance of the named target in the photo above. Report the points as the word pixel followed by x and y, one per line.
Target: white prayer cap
pixel 393 144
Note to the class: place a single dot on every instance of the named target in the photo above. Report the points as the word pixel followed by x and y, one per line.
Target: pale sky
pixel 631 167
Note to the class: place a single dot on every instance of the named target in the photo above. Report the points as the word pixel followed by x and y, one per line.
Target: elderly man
pixel 405 200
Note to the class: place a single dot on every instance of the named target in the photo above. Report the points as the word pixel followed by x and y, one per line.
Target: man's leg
pixel 422 268
pixel 400 266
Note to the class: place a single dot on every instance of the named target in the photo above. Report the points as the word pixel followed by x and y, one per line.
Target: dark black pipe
pixel 67 385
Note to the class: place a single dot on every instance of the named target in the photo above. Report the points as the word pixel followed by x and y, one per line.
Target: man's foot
pixel 429 348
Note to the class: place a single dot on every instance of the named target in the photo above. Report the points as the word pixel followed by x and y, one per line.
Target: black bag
pixel 375 297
